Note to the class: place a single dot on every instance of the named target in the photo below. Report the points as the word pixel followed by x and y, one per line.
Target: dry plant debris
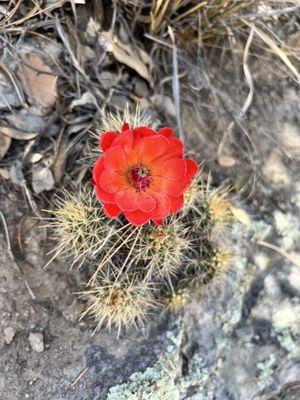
pixel 38 80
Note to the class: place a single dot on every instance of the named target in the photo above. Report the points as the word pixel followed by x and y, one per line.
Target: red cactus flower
pixel 143 174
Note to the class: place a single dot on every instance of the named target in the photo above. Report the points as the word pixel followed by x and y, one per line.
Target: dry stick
pixel 176 85
pixel 31 201
pixel 14 82
pixel 294 259
pixel 191 10
pixel 66 42
pixel 11 14
pixel 12 256
pixel 249 98
pixel 78 377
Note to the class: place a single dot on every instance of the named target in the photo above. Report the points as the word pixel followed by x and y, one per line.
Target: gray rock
pixel 42 179
pixel 140 88
pixel 36 341
pixel 9 334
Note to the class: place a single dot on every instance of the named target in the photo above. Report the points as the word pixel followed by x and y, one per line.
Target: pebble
pixel 140 88
pixel 9 334
pixel 36 341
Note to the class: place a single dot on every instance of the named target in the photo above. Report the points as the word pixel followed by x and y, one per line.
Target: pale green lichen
pixel 287 340
pixel 266 371
pixel 261 229
pixel 287 225
pixel 164 380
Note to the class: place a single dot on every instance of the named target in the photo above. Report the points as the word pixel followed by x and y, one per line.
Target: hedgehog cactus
pixel 137 269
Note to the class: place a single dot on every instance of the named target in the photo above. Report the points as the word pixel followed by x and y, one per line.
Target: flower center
pixel 140 177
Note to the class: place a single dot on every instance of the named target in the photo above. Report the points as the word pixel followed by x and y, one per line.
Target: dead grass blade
pixel 276 49
pixel 228 161
pixel 176 85
pixel 291 257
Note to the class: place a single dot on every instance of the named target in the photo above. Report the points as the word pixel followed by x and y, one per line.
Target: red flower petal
pixel 107 139
pixel 116 159
pixel 130 200
pixel 125 199
pixel 98 169
pixel 143 131
pixel 174 168
pixel 125 139
pixel 146 202
pixel 158 221
pixel 137 217
pixel 192 168
pixel 162 208
pixel 111 210
pixel 176 204
pixel 104 196
pixel 177 188
pixel 112 182
pixel 176 148
pixel 167 132
pixel 125 127
pixel 151 147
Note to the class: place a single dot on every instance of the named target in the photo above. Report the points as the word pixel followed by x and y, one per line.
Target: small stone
pixel 42 179
pixel 164 104
pixel 275 170
pixel 294 278
pixel 140 88
pixel 36 341
pixel 9 334
pixel 286 316
pixel 107 79
pixel 262 261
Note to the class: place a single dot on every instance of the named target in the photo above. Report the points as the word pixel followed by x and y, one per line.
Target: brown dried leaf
pixel 41 87
pixel 241 216
pixel 226 161
pixel 4 145
pixel 124 54
pixel 60 163
pixel 42 179
pixel 4 173
pixel 16 134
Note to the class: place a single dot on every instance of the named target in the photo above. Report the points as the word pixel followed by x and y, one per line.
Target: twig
pixel 12 256
pixel 7 237
pixel 291 257
pixel 176 85
pixel 249 98
pixel 66 42
pixel 78 377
